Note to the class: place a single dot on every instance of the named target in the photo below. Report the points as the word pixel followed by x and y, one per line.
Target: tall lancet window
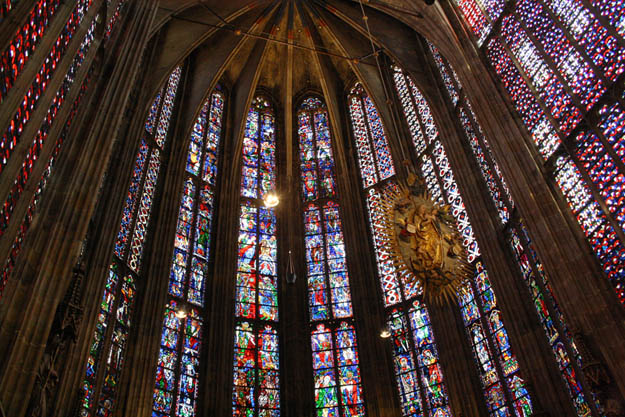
pixel 177 383
pixel 336 371
pixel 532 271
pixel 504 388
pixel 29 163
pixel 108 347
pixel 256 385
pixel 561 62
pixel 418 372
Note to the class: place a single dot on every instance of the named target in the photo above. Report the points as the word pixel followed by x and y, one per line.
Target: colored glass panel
pixel 598 230
pixel 374 155
pixel 495 362
pixel 328 282
pixel 338 388
pixel 127 256
pixel 256 390
pixel 538 124
pixel 39 85
pixel 556 340
pixel 259 151
pixel 447 80
pixel 438 161
pixel 168 102
pixel 256 371
pixel 25 41
pixel 574 69
pixel 177 372
pixel 34 203
pixel 317 162
pixel 487 174
pixel 435 394
pixel 113 19
pixel 389 279
pixel 6 6
pixel 40 139
pixel 176 384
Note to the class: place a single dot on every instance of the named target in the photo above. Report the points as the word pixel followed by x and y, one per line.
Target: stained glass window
pixel 259 151
pixel 36 148
pixel 119 294
pixel 5 8
pixel 114 18
pixel 256 388
pixel 417 369
pixel 176 384
pixel 497 366
pixel 336 372
pixel 41 185
pixel 24 42
pixel 550 318
pixel 418 374
pixel 557 59
pixel 35 152
pixel 11 136
pixel 374 154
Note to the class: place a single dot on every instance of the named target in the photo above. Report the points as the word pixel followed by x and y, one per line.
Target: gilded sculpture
pixel 423 240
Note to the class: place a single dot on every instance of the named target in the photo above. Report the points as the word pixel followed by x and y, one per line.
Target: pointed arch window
pixel 504 388
pixel 39 148
pixel 531 269
pixel 557 59
pixel 336 370
pixel 256 380
pixel 177 372
pixel 374 155
pixel 420 384
pixel 108 347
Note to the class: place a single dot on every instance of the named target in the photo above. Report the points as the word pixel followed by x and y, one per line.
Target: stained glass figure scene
pixel 256 389
pixel 119 293
pixel 336 370
pixel 179 362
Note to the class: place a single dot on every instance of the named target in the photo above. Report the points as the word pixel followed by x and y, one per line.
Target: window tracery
pixel 419 381
pixel 107 350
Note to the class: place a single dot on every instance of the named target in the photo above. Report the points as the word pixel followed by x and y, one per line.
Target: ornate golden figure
pixel 424 241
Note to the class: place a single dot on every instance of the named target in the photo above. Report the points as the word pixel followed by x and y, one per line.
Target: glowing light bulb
pixel 271 200
pixel 385 333
pixel 181 313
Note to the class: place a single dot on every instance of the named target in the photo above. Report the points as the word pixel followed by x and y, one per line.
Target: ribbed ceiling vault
pixel 288 47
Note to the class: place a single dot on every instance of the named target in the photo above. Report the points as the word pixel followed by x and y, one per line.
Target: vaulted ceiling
pixel 304 36
pixel 288 47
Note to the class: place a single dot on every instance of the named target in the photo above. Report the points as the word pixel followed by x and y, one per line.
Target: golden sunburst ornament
pixel 423 240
